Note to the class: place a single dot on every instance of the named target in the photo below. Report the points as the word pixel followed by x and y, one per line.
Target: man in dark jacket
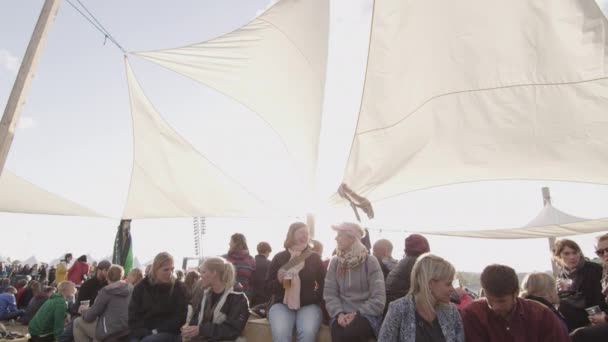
pixel 398 280
pixel 90 288
pixel 109 314
pixel 260 295
pixel 88 291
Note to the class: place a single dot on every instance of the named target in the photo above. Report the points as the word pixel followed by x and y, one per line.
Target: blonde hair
pixel 115 273
pixel 223 268
pixel 160 259
pixel 290 240
pixel 137 275
pixel 541 285
pixel 429 267
pixel 64 285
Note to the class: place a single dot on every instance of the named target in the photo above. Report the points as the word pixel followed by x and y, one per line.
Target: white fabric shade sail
pixel 454 92
pixel 479 90
pixel 20 196
pixel 550 222
pixel 171 178
pixel 275 66
pixel 31 261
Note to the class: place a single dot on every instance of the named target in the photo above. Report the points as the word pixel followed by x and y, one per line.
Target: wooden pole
pixel 547 201
pixel 310 222
pixel 18 95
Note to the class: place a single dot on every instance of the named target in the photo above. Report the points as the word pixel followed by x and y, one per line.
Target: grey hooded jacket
pixel 111 309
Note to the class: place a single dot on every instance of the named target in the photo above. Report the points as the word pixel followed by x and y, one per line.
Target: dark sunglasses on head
pixel 601 252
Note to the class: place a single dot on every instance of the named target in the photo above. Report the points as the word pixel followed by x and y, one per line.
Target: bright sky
pixel 75 139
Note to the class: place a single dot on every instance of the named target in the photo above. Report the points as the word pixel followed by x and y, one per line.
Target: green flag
pixel 123 247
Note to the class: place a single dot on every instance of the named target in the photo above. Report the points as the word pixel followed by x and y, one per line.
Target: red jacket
pixel 77 272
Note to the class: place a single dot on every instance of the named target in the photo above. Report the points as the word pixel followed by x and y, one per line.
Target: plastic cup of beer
pixel 85 303
pixel 287 281
pixel 566 284
pixel 594 310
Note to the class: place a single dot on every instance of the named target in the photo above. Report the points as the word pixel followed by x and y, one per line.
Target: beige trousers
pixel 84 331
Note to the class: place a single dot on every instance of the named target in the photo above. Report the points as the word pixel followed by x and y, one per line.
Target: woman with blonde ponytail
pixel 218 312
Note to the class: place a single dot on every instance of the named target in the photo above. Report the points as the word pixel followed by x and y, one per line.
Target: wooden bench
pixel 258 330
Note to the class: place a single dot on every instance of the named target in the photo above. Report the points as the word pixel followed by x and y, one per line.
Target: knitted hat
pixel 351 229
pixel 415 245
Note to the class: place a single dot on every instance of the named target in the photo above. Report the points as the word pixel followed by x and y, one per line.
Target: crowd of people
pixel 362 293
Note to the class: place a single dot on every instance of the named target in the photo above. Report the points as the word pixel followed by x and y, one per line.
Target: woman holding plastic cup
pixel 598 331
pixel 578 284
pixel 295 281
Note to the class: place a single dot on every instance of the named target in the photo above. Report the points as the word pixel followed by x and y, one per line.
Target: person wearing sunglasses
pixel 598 331
pixel 578 284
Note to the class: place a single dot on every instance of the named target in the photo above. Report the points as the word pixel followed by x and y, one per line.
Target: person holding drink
pixel 598 331
pixel 578 283
pixel 295 281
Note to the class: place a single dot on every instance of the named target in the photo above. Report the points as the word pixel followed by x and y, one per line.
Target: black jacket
pixel 398 280
pixel 312 278
pixel 162 307
pixel 588 289
pixel 258 281
pixel 236 310
pixel 89 290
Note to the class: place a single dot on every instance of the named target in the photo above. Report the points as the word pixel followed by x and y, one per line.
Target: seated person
pixel 503 316
pixel 36 303
pixel 47 324
pixel 32 289
pixel 8 305
pixel 158 304
pixel 598 330
pixel 425 313
pixel 540 287
pixel 354 289
pixel 219 313
pixel 398 280
pixel 109 314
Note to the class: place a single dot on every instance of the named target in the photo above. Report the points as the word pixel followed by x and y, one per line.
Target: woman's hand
pixel 281 274
pixel 350 317
pixel 563 284
pixel 82 309
pixel 342 320
pixel 190 331
pixel 598 319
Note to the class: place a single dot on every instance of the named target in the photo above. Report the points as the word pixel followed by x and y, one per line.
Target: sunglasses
pixel 601 252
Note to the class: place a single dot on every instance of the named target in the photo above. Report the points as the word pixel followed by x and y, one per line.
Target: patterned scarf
pixel 348 260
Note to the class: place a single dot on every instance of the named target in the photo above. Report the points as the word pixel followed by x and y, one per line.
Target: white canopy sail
pixel 170 177
pixel 550 222
pixel 481 90
pixel 20 196
pixel 275 66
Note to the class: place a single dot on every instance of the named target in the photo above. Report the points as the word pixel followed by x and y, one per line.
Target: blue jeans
pixel 307 321
pixel 12 315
